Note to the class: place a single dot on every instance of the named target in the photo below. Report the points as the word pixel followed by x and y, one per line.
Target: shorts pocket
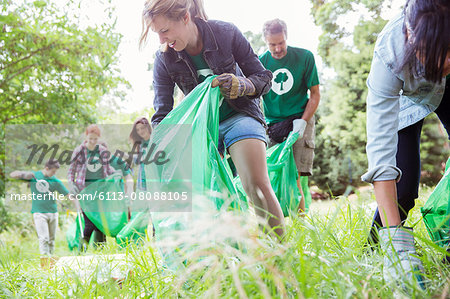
pixel 310 144
pixel 307 155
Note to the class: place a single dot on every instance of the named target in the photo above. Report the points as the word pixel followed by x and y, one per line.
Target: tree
pixel 281 78
pixel 341 137
pixel 434 150
pixel 51 69
pixel 256 41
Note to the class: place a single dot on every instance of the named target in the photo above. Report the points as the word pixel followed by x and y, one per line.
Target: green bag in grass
pixel 135 230
pixel 214 190
pixel 436 211
pixel 73 234
pixel 194 164
pixel 109 215
pixel 308 197
pixel 283 176
pixel 107 210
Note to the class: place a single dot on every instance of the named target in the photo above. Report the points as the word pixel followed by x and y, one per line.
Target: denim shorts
pixel 239 127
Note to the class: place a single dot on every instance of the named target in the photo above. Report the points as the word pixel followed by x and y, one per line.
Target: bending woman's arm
pixel 163 87
pixel 250 65
pixel 383 107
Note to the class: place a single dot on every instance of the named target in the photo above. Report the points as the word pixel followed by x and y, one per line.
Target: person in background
pixel 408 80
pixel 123 167
pixel 140 138
pixel 287 106
pixel 43 184
pixel 195 48
pixel 88 165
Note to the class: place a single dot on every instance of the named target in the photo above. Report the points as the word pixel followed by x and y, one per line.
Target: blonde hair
pixel 172 9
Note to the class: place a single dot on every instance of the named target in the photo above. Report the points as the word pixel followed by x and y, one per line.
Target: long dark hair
pixel 427 35
pixel 134 136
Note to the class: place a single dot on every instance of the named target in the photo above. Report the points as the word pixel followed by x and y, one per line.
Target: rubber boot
pixel 401 264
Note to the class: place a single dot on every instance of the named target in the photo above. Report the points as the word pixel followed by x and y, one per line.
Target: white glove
pixel 73 188
pixel 299 126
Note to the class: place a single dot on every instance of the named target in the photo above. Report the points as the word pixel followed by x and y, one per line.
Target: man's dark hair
pixel 52 163
pixel 274 27
pixel 427 33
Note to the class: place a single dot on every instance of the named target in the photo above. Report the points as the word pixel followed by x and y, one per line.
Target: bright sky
pixel 247 15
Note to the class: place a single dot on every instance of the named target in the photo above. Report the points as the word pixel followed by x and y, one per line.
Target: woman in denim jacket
pixel 407 81
pixel 194 48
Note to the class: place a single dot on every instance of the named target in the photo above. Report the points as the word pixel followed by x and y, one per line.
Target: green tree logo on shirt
pixel 282 81
pixel 281 78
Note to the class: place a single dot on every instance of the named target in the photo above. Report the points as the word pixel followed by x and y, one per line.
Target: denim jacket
pixel 396 99
pixel 225 50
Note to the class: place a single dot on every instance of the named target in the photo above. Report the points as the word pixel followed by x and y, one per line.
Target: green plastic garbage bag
pixel 212 186
pixel 283 176
pixel 135 230
pixel 305 186
pixel 73 234
pixel 105 206
pixel 436 211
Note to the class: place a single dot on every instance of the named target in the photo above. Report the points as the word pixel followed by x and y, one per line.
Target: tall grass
pixel 322 256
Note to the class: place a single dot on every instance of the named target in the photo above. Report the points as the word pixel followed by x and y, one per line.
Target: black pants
pixel 89 228
pixel 408 160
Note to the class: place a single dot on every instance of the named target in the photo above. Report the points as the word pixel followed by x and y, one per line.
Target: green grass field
pixel 321 257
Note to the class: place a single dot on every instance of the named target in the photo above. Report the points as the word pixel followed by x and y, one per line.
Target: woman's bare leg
pixel 249 157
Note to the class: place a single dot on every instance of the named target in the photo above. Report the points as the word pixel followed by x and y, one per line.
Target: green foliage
pixel 434 149
pixel 322 256
pixel 4 219
pixel 112 116
pixel 51 69
pixel 341 135
pixel 256 40
pixel 2 160
pixel 19 223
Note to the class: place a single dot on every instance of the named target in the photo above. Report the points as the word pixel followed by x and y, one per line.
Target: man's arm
pixel 313 103
pixel 22 175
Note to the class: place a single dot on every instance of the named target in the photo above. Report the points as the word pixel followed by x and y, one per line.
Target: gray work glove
pixel 401 264
pixel 299 126
pixel 232 86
